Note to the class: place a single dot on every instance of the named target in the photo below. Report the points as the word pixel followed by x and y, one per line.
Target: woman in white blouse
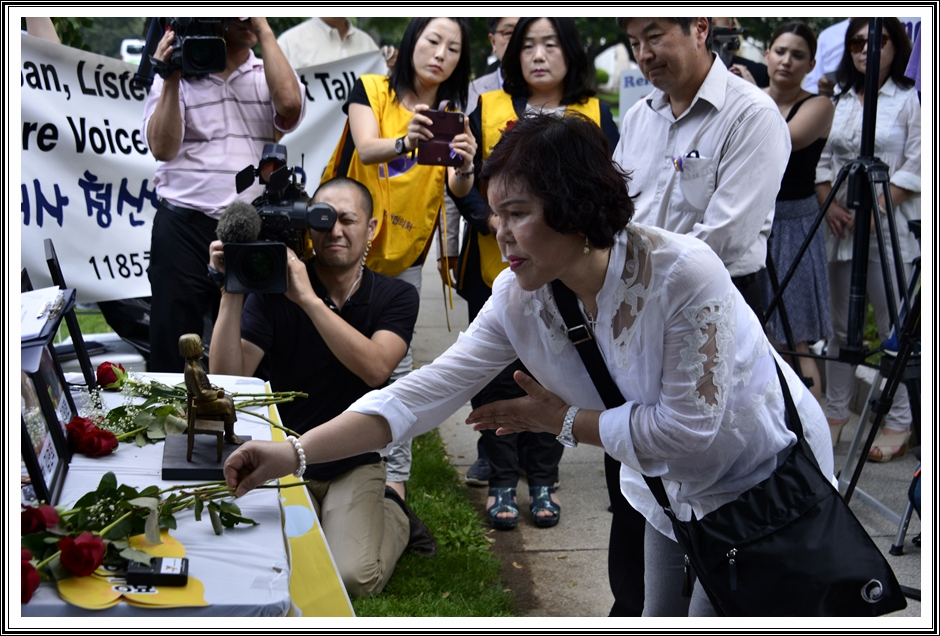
pixel 704 408
pixel 897 143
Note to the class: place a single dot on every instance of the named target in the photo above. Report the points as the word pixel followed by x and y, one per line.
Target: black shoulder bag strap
pixel 583 340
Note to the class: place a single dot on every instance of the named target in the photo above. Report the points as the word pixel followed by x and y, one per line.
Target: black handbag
pixel 789 546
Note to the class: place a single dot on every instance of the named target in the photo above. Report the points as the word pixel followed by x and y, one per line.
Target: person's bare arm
pixel 42 28
pixel 811 122
pixel 280 77
pixel 165 127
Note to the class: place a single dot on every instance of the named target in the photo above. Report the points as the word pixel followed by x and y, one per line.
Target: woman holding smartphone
pixel 544 70
pixel 378 149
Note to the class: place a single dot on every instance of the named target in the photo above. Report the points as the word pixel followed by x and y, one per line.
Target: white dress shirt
pixel 733 146
pixel 897 143
pixel 316 42
pixel 703 406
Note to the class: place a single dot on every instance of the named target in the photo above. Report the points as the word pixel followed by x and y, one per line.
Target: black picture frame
pixel 42 442
pixel 75 332
pixel 55 398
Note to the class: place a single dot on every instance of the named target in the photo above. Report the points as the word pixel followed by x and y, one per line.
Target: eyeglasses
pixel 857 45
pixel 505 33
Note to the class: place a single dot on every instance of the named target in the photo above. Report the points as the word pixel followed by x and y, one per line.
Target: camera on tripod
pixel 258 264
pixel 726 42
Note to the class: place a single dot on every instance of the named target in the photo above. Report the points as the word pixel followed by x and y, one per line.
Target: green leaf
pixel 165 409
pixel 136 555
pixel 175 425
pixel 88 499
pixel 168 521
pixel 230 507
pixel 144 502
pixel 144 418
pixel 152 527
pixel 108 480
pixel 197 509
pixel 141 440
pixel 157 429
pixel 214 517
pixel 123 529
pixel 149 491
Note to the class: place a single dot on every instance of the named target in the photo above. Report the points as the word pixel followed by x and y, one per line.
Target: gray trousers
pixel 663 580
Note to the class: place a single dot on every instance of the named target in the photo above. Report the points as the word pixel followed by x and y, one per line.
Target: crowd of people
pixel 663 230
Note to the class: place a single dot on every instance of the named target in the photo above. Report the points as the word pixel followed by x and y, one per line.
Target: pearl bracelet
pixel 299 473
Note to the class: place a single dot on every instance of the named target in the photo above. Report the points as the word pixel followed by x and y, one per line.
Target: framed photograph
pixel 43 442
pixel 55 399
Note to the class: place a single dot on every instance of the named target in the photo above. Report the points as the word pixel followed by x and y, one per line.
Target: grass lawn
pixel 463 578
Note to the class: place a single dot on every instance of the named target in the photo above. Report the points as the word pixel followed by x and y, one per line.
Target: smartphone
pixel 437 152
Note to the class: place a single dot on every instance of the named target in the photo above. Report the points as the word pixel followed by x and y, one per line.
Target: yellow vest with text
pixel 406 197
pixel 497 112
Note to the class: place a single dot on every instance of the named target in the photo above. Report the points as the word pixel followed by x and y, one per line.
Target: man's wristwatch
pixel 400 146
pixel 216 277
pixel 566 437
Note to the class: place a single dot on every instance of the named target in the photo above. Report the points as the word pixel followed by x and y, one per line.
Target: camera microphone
pixel 239 223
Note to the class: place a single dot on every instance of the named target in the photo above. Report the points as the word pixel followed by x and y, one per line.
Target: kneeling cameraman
pixel 338 332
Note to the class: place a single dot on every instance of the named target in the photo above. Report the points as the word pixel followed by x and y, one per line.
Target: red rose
pixel 77 429
pixel 82 555
pixel 110 376
pixel 36 519
pixel 29 580
pixel 97 442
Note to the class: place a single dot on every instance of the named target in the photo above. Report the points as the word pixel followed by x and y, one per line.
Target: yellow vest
pixel 406 197
pixel 497 111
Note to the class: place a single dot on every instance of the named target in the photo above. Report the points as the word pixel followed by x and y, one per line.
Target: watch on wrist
pixel 566 437
pixel 217 277
pixel 400 146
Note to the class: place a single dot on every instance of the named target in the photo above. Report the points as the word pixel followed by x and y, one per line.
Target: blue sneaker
pixel 479 474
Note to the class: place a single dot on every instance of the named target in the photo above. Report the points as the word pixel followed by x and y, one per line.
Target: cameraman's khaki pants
pixel 366 532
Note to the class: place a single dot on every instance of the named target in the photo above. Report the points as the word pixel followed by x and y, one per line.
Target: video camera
pixel 198 48
pixel 257 263
pixel 725 42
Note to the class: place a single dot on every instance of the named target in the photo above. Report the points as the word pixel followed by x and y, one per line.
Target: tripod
pixel 863 178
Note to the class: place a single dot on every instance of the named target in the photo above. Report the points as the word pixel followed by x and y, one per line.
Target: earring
pixel 587 247
pixel 366 252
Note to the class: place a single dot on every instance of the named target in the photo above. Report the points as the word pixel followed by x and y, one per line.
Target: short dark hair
pixel 491 24
pixel 577 85
pixel 847 76
pixel 800 29
pixel 684 23
pixel 365 197
pixel 565 162
pixel 454 88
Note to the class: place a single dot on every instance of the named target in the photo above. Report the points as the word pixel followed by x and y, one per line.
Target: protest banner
pixel 87 176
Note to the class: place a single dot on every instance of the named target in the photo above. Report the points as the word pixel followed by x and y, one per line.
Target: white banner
pixel 87 177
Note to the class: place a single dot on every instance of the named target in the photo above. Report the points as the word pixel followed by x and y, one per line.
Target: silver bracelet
pixel 299 473
pixel 462 176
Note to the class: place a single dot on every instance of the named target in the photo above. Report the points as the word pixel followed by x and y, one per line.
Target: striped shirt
pixel 225 126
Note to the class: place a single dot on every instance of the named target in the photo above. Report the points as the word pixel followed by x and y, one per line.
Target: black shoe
pixel 479 474
pixel 420 539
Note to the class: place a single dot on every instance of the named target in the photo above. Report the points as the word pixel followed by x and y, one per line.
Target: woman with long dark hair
pixel 897 143
pixel 378 149
pixel 545 70
pixel 790 56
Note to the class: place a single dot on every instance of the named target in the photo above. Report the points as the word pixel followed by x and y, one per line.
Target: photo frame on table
pixel 54 398
pixel 71 320
pixel 43 446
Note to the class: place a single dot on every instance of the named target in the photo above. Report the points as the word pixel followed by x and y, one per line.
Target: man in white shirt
pixel 706 149
pixel 322 40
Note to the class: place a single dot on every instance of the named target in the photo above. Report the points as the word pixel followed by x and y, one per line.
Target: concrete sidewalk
pixel 562 571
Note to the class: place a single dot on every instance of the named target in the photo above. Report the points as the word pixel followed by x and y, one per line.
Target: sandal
pixel 889 446
pixel 541 501
pixel 505 502
pixel 835 429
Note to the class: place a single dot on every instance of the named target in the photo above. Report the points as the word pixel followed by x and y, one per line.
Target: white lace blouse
pixel 704 408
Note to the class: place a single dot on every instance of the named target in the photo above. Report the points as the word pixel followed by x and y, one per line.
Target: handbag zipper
pixel 686 578
pixel 732 568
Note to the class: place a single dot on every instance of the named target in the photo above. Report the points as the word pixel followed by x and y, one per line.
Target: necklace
pixel 592 320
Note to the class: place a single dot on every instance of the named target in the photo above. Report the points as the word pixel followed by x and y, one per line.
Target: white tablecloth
pixel 245 571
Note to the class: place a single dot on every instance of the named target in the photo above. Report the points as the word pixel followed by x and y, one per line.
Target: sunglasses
pixel 857 45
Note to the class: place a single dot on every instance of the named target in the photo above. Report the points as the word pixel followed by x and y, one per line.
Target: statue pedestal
pixel 203 467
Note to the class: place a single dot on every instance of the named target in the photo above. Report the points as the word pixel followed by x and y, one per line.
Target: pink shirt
pixel 225 126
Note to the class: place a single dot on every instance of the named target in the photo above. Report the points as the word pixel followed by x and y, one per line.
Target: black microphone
pixel 239 223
